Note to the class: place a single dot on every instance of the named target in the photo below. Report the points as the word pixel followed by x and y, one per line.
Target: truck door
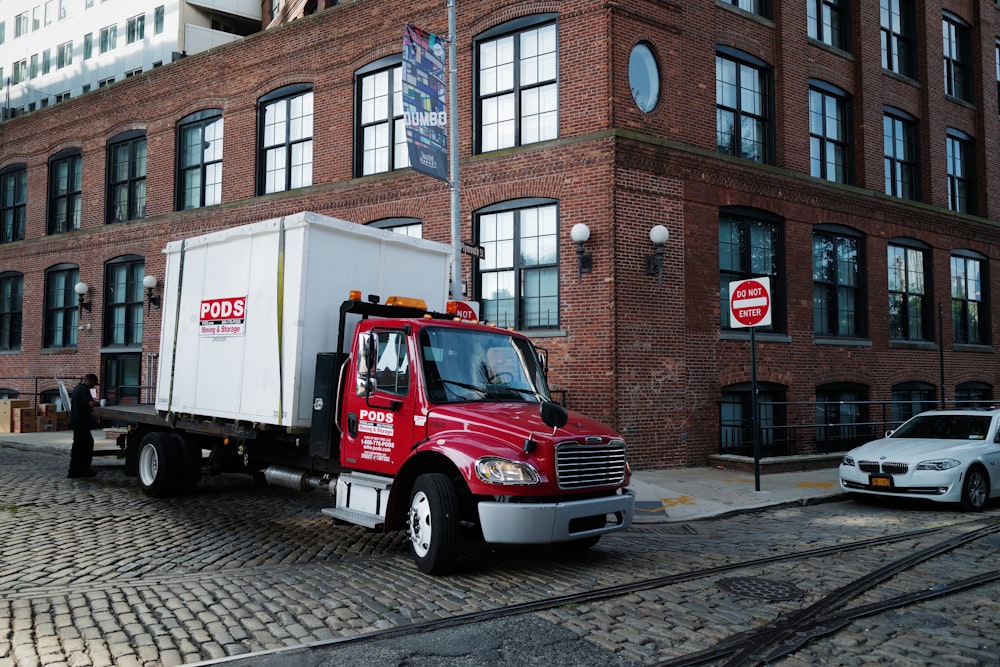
pixel 378 409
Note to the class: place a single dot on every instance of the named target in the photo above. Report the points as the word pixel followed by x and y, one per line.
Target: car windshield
pixel 945 427
pixel 468 365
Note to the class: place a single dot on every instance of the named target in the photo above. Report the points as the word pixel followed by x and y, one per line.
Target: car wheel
pixel 975 489
pixel 433 524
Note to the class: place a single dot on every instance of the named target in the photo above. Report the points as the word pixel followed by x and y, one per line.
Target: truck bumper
pixel 543 523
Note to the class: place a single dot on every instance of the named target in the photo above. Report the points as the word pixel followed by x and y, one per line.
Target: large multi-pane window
pixel 842 417
pixel 911 398
pixel 898 19
pixel 412 227
pixel 829 133
pixel 517 89
pixel 65 191
pixel 758 7
pixel 838 308
pixel 518 281
pixel 900 143
pixel 135 29
pixel 123 301
pixel 199 160
pixel 109 38
pixel 742 105
pixel 750 247
pixel 737 420
pixel 828 22
pixel 64 55
pixel 381 138
pixel 961 179
pixel 61 310
pixel 19 72
pixel 909 293
pixel 127 177
pixel 285 126
pixel 969 316
pixel 957 57
pixel 13 202
pixel 973 395
pixel 11 291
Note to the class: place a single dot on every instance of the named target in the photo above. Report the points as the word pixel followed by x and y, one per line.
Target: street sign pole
pixel 750 306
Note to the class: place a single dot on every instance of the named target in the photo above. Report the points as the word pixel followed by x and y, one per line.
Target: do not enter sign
pixel 750 302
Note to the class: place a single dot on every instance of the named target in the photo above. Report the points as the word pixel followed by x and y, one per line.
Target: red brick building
pixel 846 150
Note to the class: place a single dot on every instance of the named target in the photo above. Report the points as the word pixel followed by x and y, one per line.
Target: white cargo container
pixel 246 310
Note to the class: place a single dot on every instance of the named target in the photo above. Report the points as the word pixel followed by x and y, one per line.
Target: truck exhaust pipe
pixel 292 479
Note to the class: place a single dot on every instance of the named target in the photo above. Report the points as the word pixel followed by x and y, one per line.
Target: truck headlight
pixel 493 470
pixel 938 464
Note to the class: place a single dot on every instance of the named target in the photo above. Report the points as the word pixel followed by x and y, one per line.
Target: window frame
pixel 961 316
pixel 739 114
pixel 70 197
pixel 957 57
pixel 773 413
pixel 515 29
pixel 817 28
pixel 961 186
pixel 904 133
pixel 134 183
pixel 108 39
pixel 124 315
pixel 835 306
pixel 842 410
pixel 67 309
pixel 397 152
pixel 921 396
pixel 285 96
pixel 15 178
pixel 760 8
pixel 821 140
pixel 908 250
pixel 405 226
pixel 747 218
pixel 11 311
pixel 520 312
pixel 899 37
pixel 135 29
pixel 200 121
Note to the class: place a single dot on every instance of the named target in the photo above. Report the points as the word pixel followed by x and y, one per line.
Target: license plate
pixel 882 482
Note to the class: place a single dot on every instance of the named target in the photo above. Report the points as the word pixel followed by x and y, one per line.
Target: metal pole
pixel 941 348
pixel 456 227
pixel 755 409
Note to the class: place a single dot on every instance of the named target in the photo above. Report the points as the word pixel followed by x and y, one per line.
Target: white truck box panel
pixel 293 272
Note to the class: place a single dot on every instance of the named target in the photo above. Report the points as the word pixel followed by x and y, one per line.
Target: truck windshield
pixel 463 365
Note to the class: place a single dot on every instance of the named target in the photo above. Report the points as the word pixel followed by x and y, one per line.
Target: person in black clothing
pixel 81 401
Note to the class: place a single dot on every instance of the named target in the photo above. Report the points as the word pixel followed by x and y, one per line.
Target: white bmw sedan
pixel 951 456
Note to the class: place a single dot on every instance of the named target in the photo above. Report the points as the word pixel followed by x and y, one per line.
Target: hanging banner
pixel 424 91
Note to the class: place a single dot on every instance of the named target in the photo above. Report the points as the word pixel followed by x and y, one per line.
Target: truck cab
pixel 446 428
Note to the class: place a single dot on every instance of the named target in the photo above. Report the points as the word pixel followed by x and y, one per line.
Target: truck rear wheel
pixel 433 524
pixel 158 464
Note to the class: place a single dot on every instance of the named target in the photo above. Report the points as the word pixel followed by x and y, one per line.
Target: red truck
pixel 419 420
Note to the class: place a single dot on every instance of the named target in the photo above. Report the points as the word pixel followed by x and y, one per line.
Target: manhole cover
pixel 766 589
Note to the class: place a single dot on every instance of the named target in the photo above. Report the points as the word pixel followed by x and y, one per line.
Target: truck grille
pixel 585 466
pixel 887 468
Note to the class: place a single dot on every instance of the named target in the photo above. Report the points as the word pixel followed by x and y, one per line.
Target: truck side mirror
pixel 553 415
pixel 369 352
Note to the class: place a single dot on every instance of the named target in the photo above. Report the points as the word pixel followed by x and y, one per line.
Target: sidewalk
pixel 666 495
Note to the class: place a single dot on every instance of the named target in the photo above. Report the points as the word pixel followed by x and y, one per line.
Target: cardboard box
pixel 7 407
pixel 22 415
pixel 46 424
pixel 28 423
pixel 46 409
pixel 62 421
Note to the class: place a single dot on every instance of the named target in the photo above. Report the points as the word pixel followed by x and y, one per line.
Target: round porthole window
pixel 644 77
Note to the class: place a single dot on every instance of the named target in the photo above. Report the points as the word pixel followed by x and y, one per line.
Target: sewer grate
pixel 766 589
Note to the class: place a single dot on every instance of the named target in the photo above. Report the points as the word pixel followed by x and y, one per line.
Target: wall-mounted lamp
pixel 81 289
pixel 654 263
pixel 149 282
pixel 584 261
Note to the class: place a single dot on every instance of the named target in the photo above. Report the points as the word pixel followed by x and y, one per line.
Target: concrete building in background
pixel 54 50
pixel 846 151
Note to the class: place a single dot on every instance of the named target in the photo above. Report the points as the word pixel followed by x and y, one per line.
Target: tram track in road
pixel 610 593
pixel 784 636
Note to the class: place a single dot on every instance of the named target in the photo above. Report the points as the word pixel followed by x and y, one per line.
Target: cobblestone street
pixel 93 572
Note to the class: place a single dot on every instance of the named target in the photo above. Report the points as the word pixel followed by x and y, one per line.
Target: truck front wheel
pixel 433 524
pixel 158 460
